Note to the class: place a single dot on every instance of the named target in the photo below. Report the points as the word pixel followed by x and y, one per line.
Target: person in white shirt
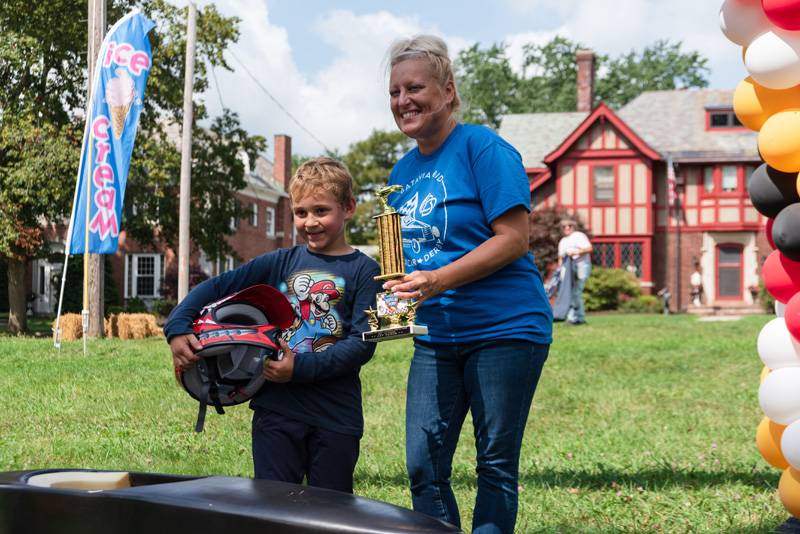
pixel 576 245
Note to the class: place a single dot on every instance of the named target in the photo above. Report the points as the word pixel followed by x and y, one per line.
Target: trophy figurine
pixel 394 317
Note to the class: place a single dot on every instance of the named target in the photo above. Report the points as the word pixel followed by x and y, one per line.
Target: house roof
pixel 535 135
pixel 601 111
pixel 673 123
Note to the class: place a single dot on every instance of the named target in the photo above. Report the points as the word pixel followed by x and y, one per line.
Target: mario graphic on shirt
pixel 313 296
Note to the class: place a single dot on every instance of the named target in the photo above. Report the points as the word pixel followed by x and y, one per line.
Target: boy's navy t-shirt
pixel 328 294
pixel 448 203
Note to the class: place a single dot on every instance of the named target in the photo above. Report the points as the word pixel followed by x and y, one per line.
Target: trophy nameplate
pixel 394 317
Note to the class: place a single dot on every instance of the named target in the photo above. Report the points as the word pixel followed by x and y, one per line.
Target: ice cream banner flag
pixel 118 84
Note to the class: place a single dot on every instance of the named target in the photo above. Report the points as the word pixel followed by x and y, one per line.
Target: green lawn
pixel 640 424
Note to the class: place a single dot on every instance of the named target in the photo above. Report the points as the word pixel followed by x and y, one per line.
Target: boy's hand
pixel 282 370
pixel 183 349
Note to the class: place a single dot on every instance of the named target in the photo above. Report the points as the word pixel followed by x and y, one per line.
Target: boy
pixel 307 419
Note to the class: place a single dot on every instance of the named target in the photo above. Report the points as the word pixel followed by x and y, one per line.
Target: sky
pixel 323 61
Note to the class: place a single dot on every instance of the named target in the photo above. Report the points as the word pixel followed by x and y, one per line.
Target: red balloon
pixel 791 315
pixel 768 231
pixel 783 13
pixel 781 276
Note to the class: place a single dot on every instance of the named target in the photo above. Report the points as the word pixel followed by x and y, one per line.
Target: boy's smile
pixel 320 219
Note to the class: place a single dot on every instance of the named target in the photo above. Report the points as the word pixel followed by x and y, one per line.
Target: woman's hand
pixel 183 349
pixel 419 285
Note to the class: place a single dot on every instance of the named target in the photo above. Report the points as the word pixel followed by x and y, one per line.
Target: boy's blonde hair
pixel 322 173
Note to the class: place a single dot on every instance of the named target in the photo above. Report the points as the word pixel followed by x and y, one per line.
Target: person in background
pixel 464 203
pixel 576 245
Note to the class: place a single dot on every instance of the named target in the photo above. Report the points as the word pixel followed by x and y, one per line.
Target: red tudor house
pixel 610 169
pixel 139 271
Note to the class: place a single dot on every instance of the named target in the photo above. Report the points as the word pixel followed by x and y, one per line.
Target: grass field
pixel 640 424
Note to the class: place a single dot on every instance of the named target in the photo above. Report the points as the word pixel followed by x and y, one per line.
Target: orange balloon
pixel 764 372
pixel 789 491
pixel 779 140
pixel 754 103
pixel 768 441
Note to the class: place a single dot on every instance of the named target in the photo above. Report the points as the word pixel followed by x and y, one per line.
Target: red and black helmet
pixel 237 334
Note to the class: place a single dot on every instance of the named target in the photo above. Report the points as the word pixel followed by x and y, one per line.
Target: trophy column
pixel 394 317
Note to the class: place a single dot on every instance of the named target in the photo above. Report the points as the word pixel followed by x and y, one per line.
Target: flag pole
pixel 85 310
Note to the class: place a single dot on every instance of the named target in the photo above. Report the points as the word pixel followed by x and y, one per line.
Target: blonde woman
pixel 465 203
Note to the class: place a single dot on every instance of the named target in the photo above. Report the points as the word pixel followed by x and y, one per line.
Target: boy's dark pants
pixel 289 450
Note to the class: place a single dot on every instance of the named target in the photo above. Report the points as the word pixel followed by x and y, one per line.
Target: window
pixel 631 258
pixel 748 172
pixel 604 254
pixel 603 184
pixel 628 255
pixel 254 215
pixel 729 269
pixel 143 275
pixel 230 263
pixel 270 222
pixel 708 179
pixel 729 178
pixel 234 223
pixel 723 118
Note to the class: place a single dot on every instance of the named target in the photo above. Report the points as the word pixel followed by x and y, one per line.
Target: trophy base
pixel 395 332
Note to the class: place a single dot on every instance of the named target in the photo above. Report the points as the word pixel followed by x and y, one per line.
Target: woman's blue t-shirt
pixel 448 202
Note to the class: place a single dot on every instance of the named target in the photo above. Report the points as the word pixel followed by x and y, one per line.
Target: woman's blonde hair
pixel 322 173
pixel 432 49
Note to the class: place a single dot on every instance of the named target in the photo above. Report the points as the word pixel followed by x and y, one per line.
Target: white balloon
pixel 776 346
pixel 773 59
pixel 779 395
pixel 743 20
pixel 790 444
pixel 780 308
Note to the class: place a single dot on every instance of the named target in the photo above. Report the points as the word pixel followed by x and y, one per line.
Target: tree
pixel 370 162
pixel 42 90
pixel 487 84
pixel 547 82
pixel 661 66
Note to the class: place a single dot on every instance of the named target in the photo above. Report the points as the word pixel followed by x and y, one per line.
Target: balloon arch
pixel 768 101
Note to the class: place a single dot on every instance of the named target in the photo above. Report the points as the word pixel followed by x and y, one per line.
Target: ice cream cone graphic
pixel 119 96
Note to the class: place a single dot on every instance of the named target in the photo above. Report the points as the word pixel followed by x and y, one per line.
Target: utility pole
pixel 184 247
pixel 96 272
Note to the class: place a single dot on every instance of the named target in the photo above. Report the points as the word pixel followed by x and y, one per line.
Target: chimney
pixel 282 174
pixel 282 166
pixel 585 60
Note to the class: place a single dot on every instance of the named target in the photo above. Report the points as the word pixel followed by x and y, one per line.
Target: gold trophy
pixel 394 317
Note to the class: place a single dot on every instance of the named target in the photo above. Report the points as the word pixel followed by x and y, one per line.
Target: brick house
pixel 610 169
pixel 138 271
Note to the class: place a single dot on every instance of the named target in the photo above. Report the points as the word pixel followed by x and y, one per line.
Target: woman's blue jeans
pixel 495 380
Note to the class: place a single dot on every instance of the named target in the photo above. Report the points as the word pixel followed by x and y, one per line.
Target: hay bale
pixel 112 325
pixel 71 327
pixel 137 326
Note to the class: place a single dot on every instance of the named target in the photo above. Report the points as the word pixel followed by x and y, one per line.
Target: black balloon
pixel 772 190
pixel 786 231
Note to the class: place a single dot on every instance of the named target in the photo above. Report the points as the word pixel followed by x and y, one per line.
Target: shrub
pixel 606 288
pixel 642 304
pixel 764 298
pixel 135 305
pixel 164 307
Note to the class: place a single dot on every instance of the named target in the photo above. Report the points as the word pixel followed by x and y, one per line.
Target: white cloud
pixel 345 99
pixel 619 26
pixel 341 103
